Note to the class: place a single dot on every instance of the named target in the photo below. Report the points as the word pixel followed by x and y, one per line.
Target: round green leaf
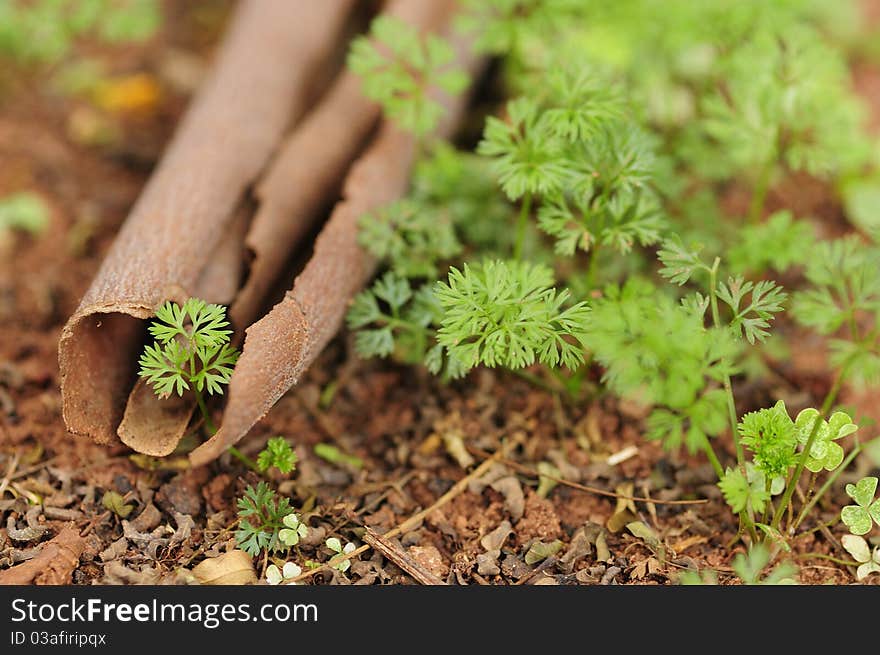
pixel 856 519
pixel 862 491
pixel 857 547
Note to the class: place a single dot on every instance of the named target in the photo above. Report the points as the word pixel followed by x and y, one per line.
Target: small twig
pixel 32 469
pixel 525 470
pixel 415 519
pixel 543 566
pixel 396 554
pixel 8 477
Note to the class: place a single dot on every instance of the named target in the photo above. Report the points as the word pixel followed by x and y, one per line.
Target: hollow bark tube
pixel 280 346
pixel 291 196
pixel 261 81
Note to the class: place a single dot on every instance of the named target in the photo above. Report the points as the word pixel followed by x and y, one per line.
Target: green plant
pixel 772 110
pixel 867 560
pixel 261 517
pixel 400 69
pixel 844 292
pixel 335 545
pixel 25 211
pixel 277 453
pixel 43 31
pixel 287 572
pixel 508 314
pixel 627 125
pixel 191 351
pixel 749 568
pixel 859 518
pixel 293 530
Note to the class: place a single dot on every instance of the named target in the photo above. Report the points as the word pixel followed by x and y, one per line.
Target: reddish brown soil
pixel 394 419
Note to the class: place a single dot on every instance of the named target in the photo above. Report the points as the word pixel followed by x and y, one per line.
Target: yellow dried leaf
pixel 139 93
pixel 235 567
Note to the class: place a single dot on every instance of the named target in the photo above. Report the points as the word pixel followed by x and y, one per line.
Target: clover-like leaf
pixel 861 552
pixel 824 453
pixel 860 517
pixel 294 530
pixel 288 571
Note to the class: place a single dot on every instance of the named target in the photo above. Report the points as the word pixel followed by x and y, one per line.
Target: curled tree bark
pixel 173 232
pixel 228 246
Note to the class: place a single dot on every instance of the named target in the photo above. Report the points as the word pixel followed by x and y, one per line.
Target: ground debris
pixel 53 565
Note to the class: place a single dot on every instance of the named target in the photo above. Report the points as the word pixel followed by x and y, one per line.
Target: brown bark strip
pixel 54 565
pixel 261 81
pixel 309 168
pixel 280 346
pixel 396 554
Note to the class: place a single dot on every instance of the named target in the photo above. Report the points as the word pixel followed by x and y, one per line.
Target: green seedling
pixel 400 69
pixel 277 454
pixel 287 572
pixel 191 352
pixel 859 518
pixel 335 545
pixel 332 454
pixel 261 517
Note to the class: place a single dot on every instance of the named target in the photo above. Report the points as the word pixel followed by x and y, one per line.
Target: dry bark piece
pixel 393 552
pixel 53 566
pixel 177 224
pixel 279 347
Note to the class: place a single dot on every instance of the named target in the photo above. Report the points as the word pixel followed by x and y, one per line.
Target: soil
pixel 416 437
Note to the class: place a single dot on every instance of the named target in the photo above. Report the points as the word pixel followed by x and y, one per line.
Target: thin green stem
pixel 244 459
pixel 825 487
pixel 802 460
pixel 745 516
pixel 728 386
pixel 209 424
pixel 593 269
pixel 713 458
pixel 522 225
pixel 827 557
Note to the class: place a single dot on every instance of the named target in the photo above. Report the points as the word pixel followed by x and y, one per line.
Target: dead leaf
pixel 646 567
pixel 455 447
pixel 495 540
pixel 580 547
pixel 148 519
pixel 625 489
pixel 115 550
pixel 487 563
pixel 234 568
pixel 514 500
pixel 684 544
pixel 647 534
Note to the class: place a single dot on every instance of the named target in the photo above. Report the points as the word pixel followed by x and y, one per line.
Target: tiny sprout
pixel 287 572
pixel 295 530
pixel 335 545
